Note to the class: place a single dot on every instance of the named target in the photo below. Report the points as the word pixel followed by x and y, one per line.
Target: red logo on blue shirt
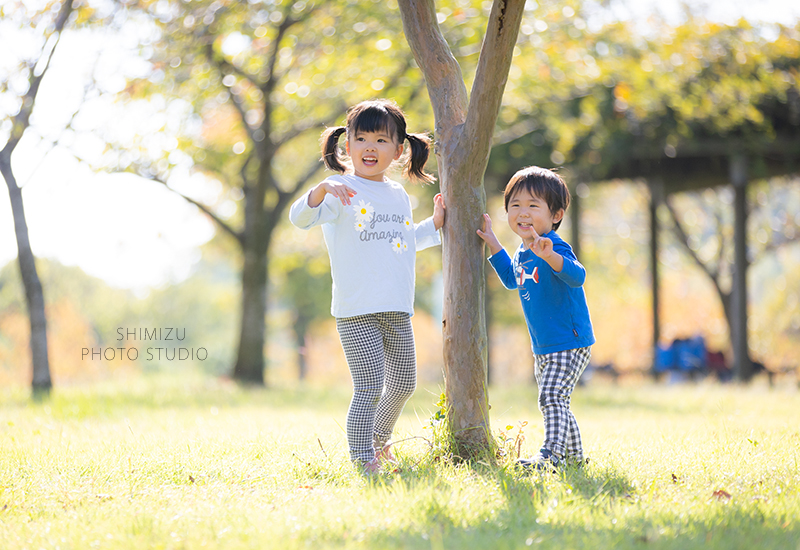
pixel 528 276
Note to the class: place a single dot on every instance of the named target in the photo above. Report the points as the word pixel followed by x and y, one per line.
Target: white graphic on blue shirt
pixel 522 276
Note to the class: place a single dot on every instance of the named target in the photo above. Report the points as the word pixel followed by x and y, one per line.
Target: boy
pixel 550 282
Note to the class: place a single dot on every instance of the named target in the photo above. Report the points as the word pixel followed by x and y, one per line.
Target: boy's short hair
pixel 542 183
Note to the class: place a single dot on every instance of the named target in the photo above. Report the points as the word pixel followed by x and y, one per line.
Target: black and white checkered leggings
pixel 557 373
pixel 379 348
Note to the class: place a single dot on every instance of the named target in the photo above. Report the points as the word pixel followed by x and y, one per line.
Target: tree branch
pixel 722 240
pixel 442 72
pixel 207 211
pixel 270 78
pixel 684 240
pixel 21 121
pixel 492 72
pixel 222 65
pixel 312 169
pixel 306 125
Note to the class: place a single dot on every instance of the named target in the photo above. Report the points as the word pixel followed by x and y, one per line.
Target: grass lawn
pixel 163 462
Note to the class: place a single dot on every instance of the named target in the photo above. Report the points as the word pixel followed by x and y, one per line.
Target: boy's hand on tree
pixel 488 235
pixel 438 211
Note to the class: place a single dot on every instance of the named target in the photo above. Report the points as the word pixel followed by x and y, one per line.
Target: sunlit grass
pixel 196 463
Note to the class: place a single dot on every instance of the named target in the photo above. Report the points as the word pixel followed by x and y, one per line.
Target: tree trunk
pixel 300 329
pixel 742 364
pixel 34 296
pixel 464 322
pixel 249 366
pixel 656 196
pixel 464 128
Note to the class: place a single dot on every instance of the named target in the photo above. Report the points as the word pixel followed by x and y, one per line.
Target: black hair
pixel 379 115
pixel 542 183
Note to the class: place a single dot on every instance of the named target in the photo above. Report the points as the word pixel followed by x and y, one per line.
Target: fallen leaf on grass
pixel 721 495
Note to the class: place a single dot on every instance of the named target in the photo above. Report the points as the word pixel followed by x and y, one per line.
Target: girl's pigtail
pixel 420 149
pixel 330 149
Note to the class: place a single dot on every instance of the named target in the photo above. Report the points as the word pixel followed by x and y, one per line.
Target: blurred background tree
pixel 37 29
pixel 255 85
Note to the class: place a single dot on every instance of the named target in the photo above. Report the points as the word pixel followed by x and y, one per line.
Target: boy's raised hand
pixel 438 211
pixel 541 246
pixel 488 235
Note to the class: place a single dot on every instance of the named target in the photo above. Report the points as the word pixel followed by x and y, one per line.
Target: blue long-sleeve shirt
pixel 554 304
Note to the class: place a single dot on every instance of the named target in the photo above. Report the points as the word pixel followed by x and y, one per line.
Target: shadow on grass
pixel 575 508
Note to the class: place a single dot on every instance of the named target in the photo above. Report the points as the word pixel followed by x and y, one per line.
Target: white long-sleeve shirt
pixel 372 244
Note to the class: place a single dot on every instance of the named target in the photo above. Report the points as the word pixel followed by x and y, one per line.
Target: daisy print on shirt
pixel 374 226
pixel 363 211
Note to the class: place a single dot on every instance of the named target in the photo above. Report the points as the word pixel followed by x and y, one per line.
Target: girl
pixel 372 241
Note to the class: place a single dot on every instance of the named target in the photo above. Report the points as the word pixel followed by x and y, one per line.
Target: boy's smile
pixel 372 153
pixel 526 211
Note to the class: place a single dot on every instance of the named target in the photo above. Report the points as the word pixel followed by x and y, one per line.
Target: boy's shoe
pixel 544 461
pixel 575 462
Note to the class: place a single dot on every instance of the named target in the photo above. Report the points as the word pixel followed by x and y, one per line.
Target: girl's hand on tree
pixel 327 187
pixel 488 235
pixel 438 211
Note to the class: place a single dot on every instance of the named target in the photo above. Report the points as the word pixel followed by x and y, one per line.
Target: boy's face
pixel 526 210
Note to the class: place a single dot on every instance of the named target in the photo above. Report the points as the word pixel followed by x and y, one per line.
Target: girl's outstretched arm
pixel 335 188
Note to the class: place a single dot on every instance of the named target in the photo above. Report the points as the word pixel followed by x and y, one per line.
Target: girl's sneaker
pixel 544 461
pixel 372 467
pixel 385 454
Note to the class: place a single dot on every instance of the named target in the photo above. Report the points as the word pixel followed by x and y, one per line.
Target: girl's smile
pixel 372 153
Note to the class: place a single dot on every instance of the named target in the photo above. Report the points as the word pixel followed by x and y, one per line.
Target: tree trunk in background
pixel 742 365
pixel 464 128
pixel 249 367
pixel 34 296
pixel 656 196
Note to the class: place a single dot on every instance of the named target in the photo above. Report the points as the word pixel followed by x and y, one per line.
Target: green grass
pixel 198 463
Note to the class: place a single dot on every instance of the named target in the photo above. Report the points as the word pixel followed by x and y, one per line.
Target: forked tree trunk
pixel 463 132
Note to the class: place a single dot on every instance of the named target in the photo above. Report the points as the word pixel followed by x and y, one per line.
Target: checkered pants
pixel 557 373
pixel 379 348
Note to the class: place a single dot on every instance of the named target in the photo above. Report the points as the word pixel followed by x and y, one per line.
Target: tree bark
pixel 34 295
pixel 463 130
pixel 249 366
pixel 742 364
pixel 656 197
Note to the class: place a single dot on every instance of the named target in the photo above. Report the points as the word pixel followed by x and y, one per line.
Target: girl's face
pixel 372 153
pixel 526 210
